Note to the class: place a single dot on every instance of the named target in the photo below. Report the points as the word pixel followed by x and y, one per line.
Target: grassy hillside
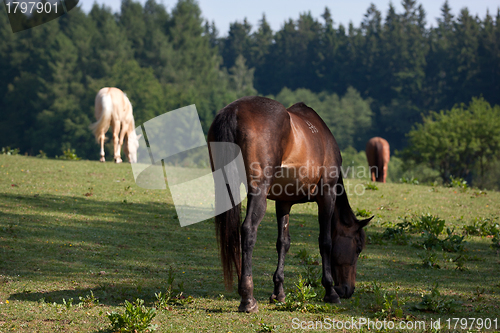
pixel 70 229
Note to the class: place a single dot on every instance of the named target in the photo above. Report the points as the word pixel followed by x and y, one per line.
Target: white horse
pixel 112 107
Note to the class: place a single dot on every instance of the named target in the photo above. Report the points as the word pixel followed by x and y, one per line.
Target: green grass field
pixel 69 228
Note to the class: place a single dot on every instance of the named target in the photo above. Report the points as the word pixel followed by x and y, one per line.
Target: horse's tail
pixel 104 104
pixel 227 224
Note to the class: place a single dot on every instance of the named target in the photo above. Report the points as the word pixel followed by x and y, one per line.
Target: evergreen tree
pixel 237 42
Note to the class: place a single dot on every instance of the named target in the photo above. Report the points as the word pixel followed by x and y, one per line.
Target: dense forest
pixel 376 79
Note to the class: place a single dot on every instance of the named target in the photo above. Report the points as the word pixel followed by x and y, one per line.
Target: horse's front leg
pixel 326 205
pixel 282 246
pixel 255 212
pixel 116 141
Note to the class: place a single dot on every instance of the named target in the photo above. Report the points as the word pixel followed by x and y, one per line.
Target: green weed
pixel 411 180
pixel 88 301
pixel 68 304
pixel 41 154
pixel 171 295
pixel 363 213
pixel 372 187
pixel 136 318
pixel 396 234
pixel 392 307
pixel 429 259
pixel 312 268
pixel 301 298
pixel 434 302
pixel 267 328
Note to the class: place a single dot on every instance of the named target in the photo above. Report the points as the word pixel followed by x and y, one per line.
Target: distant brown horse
pixel 378 154
pixel 112 107
pixel 290 157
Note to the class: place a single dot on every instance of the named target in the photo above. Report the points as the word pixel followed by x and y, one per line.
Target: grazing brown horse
pixel 290 156
pixel 378 154
pixel 112 107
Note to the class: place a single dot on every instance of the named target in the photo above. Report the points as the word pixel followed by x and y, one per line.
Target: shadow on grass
pixel 109 294
pixel 61 239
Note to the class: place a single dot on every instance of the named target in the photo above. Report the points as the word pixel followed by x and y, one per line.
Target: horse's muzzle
pixel 344 291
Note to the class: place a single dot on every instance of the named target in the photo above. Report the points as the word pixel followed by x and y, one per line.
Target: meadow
pixel 79 238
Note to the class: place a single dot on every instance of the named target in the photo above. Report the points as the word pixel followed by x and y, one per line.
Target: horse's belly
pixel 291 183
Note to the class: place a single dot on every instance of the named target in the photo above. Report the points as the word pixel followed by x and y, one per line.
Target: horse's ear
pixel 364 223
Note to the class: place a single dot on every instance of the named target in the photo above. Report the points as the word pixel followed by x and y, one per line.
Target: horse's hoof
pixel 277 298
pixel 102 159
pixel 248 306
pixel 332 299
pixel 118 160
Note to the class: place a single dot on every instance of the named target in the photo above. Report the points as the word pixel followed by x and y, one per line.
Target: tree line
pixel 402 67
pixel 376 79
pixel 49 75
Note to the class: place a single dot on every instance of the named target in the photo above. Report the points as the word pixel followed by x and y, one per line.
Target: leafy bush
pixel 454 142
pixel 458 183
pixel 41 154
pixel 482 227
pixel 136 318
pixel 9 151
pixel 485 227
pixel 69 154
pixel 396 234
pixel 452 243
pixel 428 223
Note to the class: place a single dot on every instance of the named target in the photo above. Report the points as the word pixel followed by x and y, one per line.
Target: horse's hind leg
pixel 282 246
pixel 255 212
pixel 102 137
pixel 326 205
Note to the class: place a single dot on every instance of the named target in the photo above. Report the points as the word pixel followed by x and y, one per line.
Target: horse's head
pixel 131 145
pixel 348 242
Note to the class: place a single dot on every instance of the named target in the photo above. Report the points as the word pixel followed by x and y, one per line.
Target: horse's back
pixel 313 131
pixel 277 143
pixel 251 109
pixel 118 104
pixel 251 121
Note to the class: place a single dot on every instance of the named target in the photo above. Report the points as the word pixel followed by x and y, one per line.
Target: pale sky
pixel 224 12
